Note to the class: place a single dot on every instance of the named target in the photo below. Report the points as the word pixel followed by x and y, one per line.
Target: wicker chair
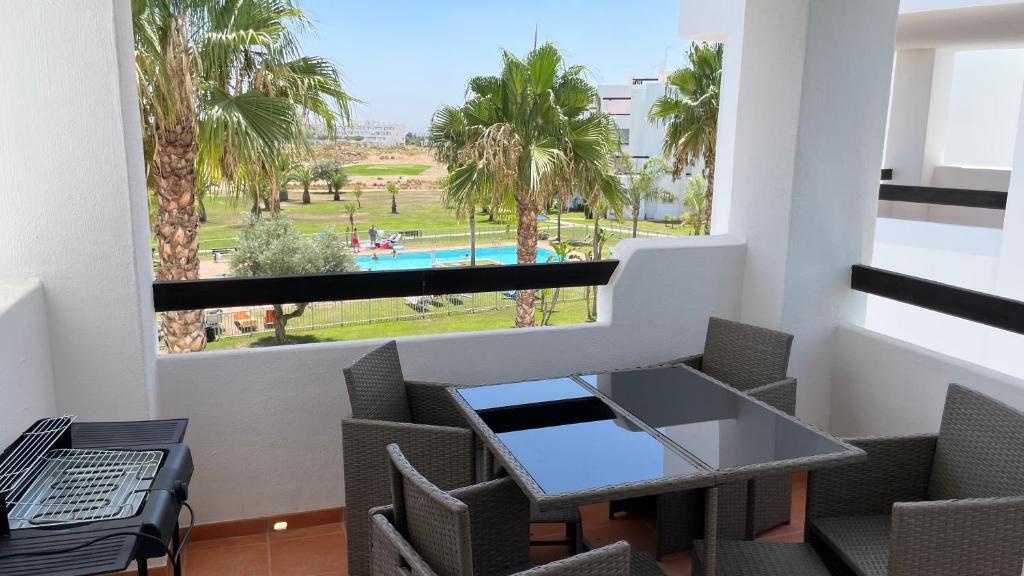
pixel 421 418
pixel 753 360
pixel 474 531
pixel 951 503
pixel 387 409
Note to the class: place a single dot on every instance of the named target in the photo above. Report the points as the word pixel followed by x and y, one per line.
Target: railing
pixel 988 309
pixel 943 196
pixel 232 292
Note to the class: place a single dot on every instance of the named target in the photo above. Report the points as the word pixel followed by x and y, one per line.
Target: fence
pixel 256 320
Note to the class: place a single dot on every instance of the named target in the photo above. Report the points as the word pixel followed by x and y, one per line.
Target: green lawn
pixel 574 312
pixel 386 169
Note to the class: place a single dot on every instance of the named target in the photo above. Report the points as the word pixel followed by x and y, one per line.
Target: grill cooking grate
pixel 85 485
pixel 16 468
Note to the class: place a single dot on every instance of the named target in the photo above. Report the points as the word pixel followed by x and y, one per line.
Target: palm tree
pixel 449 135
pixel 222 87
pixel 643 186
pixel 393 190
pixel 358 193
pixel 304 175
pixel 694 202
pixel 350 209
pixel 689 110
pixel 337 181
pixel 518 126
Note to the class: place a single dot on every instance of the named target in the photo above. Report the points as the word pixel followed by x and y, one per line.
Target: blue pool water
pixel 426 259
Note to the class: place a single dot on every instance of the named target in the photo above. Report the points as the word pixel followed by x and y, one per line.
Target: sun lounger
pixel 587 241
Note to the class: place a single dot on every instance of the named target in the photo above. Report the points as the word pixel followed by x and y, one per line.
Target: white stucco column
pixel 918 114
pixel 810 124
pixel 74 197
pixel 1005 350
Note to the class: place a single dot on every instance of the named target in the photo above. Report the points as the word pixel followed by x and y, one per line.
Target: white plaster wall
pixel 74 201
pixel 884 386
pixel 265 423
pixel 26 380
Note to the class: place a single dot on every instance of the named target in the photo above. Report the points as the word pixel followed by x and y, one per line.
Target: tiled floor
pixel 319 550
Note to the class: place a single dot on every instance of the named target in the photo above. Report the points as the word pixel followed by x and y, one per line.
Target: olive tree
pixel 275 248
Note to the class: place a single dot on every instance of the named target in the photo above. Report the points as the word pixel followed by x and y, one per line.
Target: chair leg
pixel 573 533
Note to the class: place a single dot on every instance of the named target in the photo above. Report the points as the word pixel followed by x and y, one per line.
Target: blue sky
pixel 404 58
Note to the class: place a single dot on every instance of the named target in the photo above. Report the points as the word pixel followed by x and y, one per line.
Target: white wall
pixel 884 386
pixel 26 380
pixel 265 423
pixel 74 201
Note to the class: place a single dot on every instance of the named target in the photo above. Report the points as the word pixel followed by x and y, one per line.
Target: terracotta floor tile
pixel 336 528
pixel 231 560
pixel 250 540
pixel 547 531
pixel 677 564
pixel 322 554
pixel 634 530
pixel 545 554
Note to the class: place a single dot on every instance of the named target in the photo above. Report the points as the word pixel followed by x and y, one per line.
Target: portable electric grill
pixel 88 498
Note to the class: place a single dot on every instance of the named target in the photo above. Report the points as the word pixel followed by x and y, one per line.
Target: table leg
pixel 748 529
pixel 143 566
pixel 711 531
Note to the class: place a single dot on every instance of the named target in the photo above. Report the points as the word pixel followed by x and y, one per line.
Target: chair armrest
pixel 431 403
pixel 896 470
pixel 499 521
pixel 610 560
pixel 390 552
pixel 780 395
pixel 444 455
pixel 975 536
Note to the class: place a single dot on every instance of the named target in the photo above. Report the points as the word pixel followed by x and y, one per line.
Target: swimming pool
pixel 426 259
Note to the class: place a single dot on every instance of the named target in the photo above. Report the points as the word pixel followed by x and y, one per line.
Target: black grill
pixel 88 498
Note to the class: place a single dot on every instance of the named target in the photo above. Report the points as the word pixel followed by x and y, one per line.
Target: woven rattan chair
pixel 422 419
pixel 923 505
pixel 388 409
pixel 753 360
pixel 474 531
pixel 951 503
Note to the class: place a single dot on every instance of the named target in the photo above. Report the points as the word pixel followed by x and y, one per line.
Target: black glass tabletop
pixel 593 431
pixel 569 439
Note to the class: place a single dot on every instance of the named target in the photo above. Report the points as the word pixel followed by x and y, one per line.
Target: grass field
pixel 574 312
pixel 386 169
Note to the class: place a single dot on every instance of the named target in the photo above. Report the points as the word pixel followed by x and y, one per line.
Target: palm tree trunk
pixel 526 253
pixel 176 228
pixel 275 197
pixel 596 257
pixel 394 204
pixel 305 194
pixel 558 235
pixel 282 194
pixel 636 218
pixel 709 175
pixel 472 235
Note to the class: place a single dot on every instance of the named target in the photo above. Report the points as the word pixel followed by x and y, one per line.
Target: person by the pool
pixel 374 257
pixel 394 252
pixel 355 240
pixel 373 236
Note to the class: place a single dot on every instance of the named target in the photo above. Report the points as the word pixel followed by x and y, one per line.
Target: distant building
pixel 371 133
pixel 629 104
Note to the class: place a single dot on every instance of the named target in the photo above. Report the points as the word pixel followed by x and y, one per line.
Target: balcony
pixel 889 304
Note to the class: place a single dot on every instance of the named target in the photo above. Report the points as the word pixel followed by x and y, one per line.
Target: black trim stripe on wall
pixel 945 196
pixel 980 307
pixel 224 292
pixel 886 173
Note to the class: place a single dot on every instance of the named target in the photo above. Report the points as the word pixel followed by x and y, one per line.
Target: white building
pixel 642 140
pixel 372 133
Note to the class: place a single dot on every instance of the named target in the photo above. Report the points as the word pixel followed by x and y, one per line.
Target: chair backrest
pixel 376 386
pixel 980 450
pixel 745 356
pixel 434 523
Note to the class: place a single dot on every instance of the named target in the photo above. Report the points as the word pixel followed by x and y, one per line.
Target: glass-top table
pixel 594 437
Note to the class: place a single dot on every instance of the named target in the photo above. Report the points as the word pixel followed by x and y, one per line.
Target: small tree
pixel 393 190
pixel 547 304
pixel 337 181
pixel 275 248
pixel 350 209
pixel 358 193
pixel 643 186
pixel 695 205
pixel 304 175
pixel 323 171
